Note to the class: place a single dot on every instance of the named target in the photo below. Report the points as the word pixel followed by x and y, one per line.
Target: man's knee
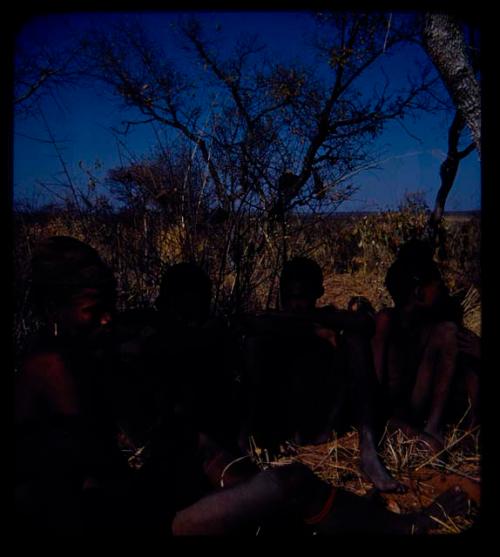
pixel 295 480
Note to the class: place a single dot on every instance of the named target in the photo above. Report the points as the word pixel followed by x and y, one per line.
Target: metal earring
pixel 55 329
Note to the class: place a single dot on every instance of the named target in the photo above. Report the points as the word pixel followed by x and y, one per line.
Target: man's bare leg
pixel 328 510
pixel 231 510
pixel 365 385
pixel 434 378
pixel 354 514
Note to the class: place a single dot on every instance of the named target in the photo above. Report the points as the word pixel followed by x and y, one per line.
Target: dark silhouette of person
pixel 310 370
pixel 417 345
pixel 185 294
pixel 61 412
pixel 194 351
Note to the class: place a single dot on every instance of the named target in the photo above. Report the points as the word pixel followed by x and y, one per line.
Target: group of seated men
pixel 143 418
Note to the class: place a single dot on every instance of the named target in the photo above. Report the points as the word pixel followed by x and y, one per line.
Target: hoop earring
pixel 55 329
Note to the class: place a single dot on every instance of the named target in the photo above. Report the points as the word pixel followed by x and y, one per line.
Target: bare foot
pixel 354 514
pixel 433 443
pixel 469 445
pixel 372 466
pixel 377 473
pixel 430 443
pixel 434 432
pixel 450 503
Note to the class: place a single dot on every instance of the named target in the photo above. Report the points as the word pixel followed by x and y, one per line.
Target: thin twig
pixel 452 530
pixel 446 448
pixel 458 472
pixel 387 33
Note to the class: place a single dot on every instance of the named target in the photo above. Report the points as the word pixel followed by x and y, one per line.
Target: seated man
pixel 193 352
pixel 310 370
pixel 61 405
pixel 417 344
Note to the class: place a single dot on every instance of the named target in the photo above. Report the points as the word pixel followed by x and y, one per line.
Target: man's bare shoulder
pixel 45 378
pixel 385 314
pixel 385 318
pixel 44 365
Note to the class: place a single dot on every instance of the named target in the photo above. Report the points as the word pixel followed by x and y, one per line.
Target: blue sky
pixel 82 118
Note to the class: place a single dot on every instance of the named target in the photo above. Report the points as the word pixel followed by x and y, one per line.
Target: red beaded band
pixel 324 511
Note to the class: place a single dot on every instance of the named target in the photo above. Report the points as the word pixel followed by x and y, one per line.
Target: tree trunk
pixel 447 173
pixel 445 45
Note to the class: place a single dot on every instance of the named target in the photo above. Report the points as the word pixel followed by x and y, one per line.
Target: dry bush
pixel 243 258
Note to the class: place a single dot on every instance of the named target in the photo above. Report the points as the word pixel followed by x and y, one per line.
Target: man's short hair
pixel 404 275
pixel 62 266
pixel 304 271
pixel 183 277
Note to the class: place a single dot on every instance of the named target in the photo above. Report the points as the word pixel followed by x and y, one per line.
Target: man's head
pixel 416 250
pixel 301 284
pixel 417 281
pixel 185 293
pixel 72 287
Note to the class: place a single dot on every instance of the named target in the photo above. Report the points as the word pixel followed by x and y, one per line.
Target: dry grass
pixel 340 288
pixel 471 303
pixel 426 476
